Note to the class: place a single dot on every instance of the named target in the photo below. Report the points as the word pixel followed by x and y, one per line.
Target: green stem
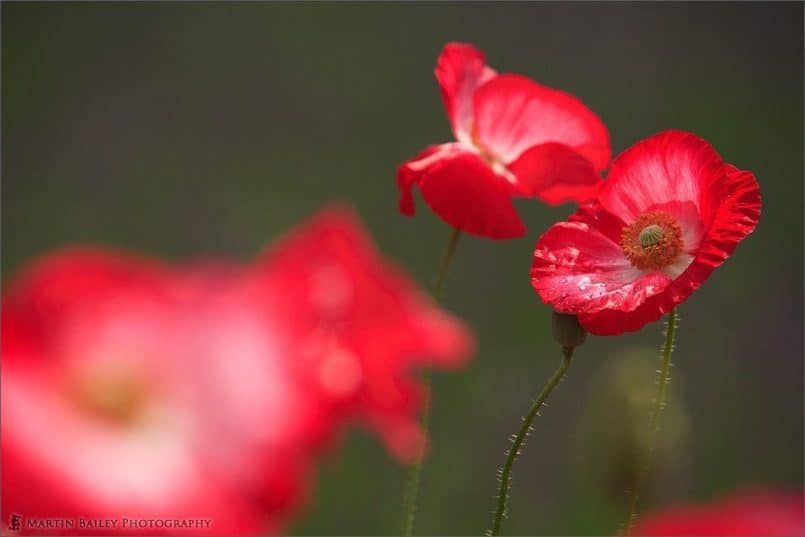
pixel 412 487
pixel 525 429
pixel 447 257
pixel 663 378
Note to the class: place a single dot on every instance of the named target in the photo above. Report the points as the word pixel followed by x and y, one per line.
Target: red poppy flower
pixel 139 390
pixel 752 513
pixel 132 389
pixel 362 326
pixel 514 137
pixel 670 212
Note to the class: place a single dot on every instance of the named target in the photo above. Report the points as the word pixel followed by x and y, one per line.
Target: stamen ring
pixel 653 241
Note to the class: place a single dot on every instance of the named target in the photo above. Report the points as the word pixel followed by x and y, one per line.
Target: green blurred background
pixel 180 129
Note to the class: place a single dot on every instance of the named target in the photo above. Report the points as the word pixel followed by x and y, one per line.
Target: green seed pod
pixel 650 236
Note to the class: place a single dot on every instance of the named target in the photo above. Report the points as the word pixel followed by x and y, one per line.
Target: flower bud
pixel 567 331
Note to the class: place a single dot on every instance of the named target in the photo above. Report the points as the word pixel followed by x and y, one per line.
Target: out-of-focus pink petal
pixel 101 471
pixel 361 323
pixel 235 377
pixel 772 513
pixel 85 313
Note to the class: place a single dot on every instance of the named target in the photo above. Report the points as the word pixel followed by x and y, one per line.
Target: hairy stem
pixel 412 486
pixel 663 378
pixel 525 429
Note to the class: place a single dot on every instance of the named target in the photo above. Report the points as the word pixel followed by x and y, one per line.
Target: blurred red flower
pixel 670 212
pixel 514 137
pixel 139 390
pixel 360 327
pixel 745 514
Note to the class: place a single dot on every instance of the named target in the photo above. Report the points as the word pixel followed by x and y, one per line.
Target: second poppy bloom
pixel 670 212
pixel 514 137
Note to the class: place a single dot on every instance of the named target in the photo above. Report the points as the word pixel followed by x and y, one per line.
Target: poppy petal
pixel 463 190
pixel 667 167
pixel 513 113
pixel 365 322
pixel 411 170
pixel 460 70
pixel 555 173
pixel 577 269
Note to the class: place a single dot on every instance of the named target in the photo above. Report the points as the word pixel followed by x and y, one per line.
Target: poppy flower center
pixel 653 241
pixel 112 396
pixel 490 158
pixel 650 236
